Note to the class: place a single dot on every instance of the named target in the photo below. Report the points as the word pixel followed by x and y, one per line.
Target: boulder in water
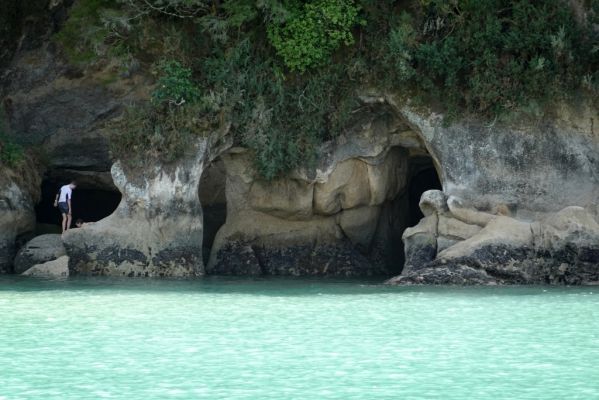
pixel 38 251
pixel 58 268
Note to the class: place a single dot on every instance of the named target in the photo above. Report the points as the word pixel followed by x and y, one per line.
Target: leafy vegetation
pixel 313 32
pixel 284 73
pixel 175 85
pixel 160 132
pixel 492 57
pixel 162 128
pixel 87 32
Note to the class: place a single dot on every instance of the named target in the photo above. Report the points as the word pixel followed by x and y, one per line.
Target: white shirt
pixel 65 194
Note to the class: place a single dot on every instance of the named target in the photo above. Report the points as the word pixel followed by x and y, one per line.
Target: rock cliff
pixel 512 202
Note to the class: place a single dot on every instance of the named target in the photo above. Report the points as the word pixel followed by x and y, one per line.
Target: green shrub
pixel 11 154
pixel 402 41
pixel 83 35
pixel 149 132
pixel 313 32
pixel 163 128
pixel 490 57
pixel 281 121
pixel 273 69
pixel 175 85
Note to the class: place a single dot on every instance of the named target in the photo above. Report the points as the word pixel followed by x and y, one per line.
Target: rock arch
pixel 157 229
pixel 344 218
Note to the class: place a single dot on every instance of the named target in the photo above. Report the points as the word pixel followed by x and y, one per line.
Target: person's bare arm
pixel 56 200
pixel 69 202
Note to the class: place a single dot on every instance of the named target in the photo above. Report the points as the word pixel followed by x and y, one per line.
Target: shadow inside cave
pixel 89 203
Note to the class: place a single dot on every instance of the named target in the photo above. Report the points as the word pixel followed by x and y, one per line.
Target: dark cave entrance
pixel 403 211
pixel 423 176
pixel 90 203
pixel 214 203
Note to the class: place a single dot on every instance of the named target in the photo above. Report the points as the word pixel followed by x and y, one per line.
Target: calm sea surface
pixel 294 339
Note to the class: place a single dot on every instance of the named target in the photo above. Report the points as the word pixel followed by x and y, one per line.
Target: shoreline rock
pixel 58 268
pixel 39 250
pixel 560 248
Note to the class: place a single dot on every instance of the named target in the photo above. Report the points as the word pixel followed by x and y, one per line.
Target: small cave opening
pixel 90 203
pixel 212 197
pixel 403 211
pixel 423 176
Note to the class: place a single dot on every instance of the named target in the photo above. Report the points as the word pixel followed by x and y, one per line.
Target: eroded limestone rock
pixel 310 224
pixel 39 250
pixel 420 243
pixel 157 228
pixel 540 165
pixel 561 247
pixel 58 268
pixel 433 201
pixel 17 216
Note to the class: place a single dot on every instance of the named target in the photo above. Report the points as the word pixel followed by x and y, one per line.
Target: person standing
pixel 63 202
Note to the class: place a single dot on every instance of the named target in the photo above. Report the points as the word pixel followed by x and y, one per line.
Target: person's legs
pixel 66 217
pixel 64 222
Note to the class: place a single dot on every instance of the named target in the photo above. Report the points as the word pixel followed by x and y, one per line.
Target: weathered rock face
pixel 157 228
pixel 58 107
pixel 454 245
pixel 64 112
pixel 333 221
pixel 38 251
pixel 504 188
pixel 58 268
pixel 26 25
pixel 529 167
pixel 17 216
pixel 492 223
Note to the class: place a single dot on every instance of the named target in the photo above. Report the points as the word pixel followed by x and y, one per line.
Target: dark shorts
pixel 63 207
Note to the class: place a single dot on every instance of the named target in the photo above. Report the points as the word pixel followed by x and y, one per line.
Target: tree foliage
pixel 491 57
pixel 284 73
pixel 175 85
pixel 313 32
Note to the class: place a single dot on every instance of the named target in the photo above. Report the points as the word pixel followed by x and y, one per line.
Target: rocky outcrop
pixel 17 216
pixel 528 166
pixel 38 251
pixel 58 268
pixel 334 220
pixel 157 228
pixel 519 199
pixel 26 25
pixel 503 184
pixel 448 248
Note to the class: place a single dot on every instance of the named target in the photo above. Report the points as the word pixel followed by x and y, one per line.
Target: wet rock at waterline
pixel 557 248
pixel 58 268
pixel 497 219
pixel 38 251
pixel 17 217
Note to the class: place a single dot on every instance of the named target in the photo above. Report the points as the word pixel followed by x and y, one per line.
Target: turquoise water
pixel 294 339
